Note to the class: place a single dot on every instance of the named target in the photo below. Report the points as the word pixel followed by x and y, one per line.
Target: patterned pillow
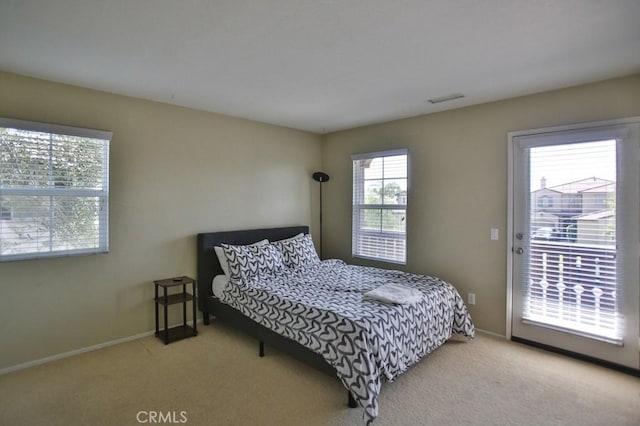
pixel 222 258
pixel 247 262
pixel 298 252
pixel 295 237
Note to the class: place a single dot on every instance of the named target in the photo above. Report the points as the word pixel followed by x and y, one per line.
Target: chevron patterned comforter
pixel 321 307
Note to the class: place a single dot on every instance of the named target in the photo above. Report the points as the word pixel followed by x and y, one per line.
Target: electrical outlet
pixel 494 234
pixel 471 298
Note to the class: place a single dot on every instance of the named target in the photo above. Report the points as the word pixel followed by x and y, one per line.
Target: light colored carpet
pixel 217 378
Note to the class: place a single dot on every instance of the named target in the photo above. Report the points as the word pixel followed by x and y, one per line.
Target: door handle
pixel 519 250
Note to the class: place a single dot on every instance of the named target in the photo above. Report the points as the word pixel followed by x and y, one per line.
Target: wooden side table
pixel 169 335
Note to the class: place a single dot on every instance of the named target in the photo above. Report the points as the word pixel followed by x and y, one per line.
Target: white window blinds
pixel 380 184
pixel 572 269
pixel 54 190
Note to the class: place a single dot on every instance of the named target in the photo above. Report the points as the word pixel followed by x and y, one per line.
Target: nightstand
pixel 172 334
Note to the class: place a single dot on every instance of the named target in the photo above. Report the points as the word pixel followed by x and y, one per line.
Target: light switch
pixel 494 234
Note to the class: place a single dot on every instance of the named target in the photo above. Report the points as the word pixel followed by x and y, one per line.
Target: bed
pixel 317 311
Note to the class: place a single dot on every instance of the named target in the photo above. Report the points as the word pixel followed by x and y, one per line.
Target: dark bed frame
pixel 209 305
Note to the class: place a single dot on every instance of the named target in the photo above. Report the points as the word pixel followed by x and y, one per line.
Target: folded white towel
pixel 394 293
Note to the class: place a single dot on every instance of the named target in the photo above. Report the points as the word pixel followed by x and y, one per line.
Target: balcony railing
pixel 386 245
pixel 573 285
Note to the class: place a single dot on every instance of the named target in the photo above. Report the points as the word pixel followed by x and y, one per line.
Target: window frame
pixel 51 190
pixel 357 208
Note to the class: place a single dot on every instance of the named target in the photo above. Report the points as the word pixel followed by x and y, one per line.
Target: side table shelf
pixel 168 335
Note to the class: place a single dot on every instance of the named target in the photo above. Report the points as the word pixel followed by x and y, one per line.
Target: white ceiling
pixel 320 65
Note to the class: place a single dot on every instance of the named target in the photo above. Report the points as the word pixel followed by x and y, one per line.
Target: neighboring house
pixel 578 211
pixel 596 228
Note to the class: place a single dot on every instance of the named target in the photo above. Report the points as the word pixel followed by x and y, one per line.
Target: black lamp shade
pixel 321 176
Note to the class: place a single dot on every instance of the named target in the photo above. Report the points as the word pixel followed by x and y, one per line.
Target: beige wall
pixel 458 183
pixel 174 172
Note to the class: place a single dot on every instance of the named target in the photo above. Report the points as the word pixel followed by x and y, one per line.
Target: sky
pixel 560 164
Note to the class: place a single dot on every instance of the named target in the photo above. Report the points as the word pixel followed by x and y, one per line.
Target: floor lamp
pixel 320 177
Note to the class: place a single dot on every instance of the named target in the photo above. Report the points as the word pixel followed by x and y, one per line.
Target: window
pixel 572 271
pixel 545 201
pixel 54 190
pixel 380 183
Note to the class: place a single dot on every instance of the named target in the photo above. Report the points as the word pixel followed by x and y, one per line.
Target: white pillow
pixel 224 263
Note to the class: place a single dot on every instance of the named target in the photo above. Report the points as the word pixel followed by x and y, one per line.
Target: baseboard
pixel 581 357
pixel 491 333
pixel 74 352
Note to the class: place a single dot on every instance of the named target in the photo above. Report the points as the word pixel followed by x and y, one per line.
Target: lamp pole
pixel 320 177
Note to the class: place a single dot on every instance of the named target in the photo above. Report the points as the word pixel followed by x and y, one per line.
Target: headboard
pixel 208 264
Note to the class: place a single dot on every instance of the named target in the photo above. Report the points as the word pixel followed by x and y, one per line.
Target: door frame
pixel 511 136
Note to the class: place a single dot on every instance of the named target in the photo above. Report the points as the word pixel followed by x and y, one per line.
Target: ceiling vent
pixel 446 98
